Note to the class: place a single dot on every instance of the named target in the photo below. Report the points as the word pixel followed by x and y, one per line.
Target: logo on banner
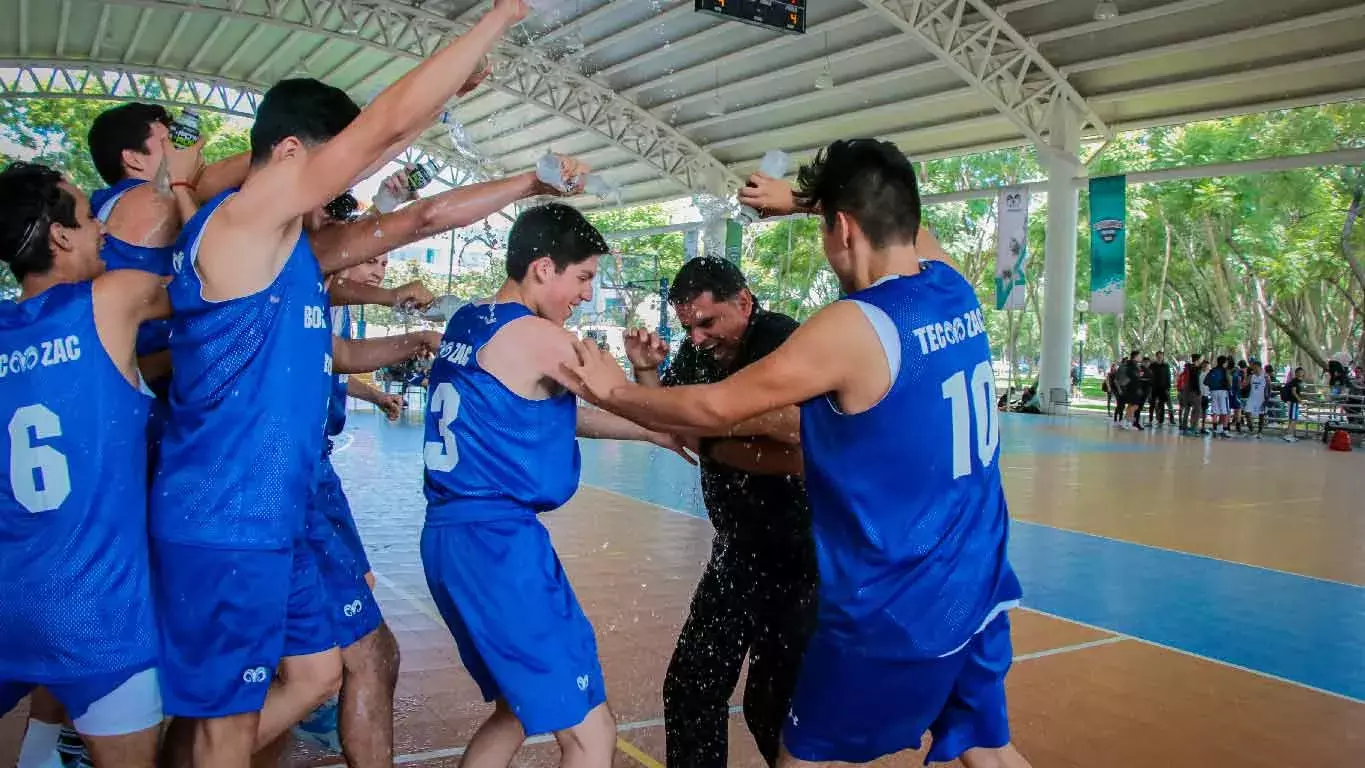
pixel 1109 229
pixel 1014 201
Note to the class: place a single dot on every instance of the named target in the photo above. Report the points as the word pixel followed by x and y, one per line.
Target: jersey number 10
pixel 978 401
pixel 32 466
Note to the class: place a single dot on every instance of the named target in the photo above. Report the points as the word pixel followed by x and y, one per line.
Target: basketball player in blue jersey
pixel 251 347
pixel 500 449
pixel 73 490
pixel 913 633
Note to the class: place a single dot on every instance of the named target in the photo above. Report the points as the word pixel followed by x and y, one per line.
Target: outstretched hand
pixel 645 349
pixel 595 373
pixel 768 196
pixel 677 445
pixel 391 405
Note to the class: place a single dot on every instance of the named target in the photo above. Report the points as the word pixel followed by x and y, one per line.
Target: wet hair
pixel 344 207
pixel 310 111
pixel 555 230
pixel 719 277
pixel 33 200
pixel 870 181
pixel 122 128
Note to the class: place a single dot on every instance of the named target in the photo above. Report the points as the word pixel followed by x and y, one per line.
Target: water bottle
pixel 774 166
pixel 184 130
pixel 599 187
pixel 549 172
pixel 443 308
pixel 417 177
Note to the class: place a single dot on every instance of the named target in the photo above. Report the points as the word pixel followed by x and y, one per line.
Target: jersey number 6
pixel 32 467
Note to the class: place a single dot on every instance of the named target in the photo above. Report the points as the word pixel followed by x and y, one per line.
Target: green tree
pixel 635 265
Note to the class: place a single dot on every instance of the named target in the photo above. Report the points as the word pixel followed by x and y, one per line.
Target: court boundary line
pixel 632 750
pixel 1023 521
pixel 1192 654
pixel 1232 665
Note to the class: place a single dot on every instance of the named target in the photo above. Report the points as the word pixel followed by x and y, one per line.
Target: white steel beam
pixel 991 55
pixel 387 26
pixel 115 82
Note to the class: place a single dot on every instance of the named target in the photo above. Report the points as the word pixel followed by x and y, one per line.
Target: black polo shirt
pixel 768 508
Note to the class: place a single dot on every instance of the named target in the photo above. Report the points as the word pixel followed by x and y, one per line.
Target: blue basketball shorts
pixel 853 708
pixel 519 628
pixel 227 617
pixel 341 559
pixel 109 704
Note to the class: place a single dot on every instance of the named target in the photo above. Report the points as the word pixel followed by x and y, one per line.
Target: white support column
pixel 714 213
pixel 1062 162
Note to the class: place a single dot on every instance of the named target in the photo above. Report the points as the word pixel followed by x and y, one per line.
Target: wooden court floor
pixel 1187 602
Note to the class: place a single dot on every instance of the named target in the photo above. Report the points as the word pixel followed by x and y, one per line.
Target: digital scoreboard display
pixel 772 14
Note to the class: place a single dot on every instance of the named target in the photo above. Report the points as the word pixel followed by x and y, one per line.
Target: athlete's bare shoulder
pixel 144 217
pixel 525 352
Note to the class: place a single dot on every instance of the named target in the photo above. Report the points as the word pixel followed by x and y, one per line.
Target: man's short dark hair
pixel 125 127
pixel 307 109
pixel 719 277
pixel 555 230
pixel 33 200
pixel 872 182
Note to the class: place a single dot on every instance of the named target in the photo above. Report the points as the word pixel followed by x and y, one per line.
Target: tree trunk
pixel 1304 342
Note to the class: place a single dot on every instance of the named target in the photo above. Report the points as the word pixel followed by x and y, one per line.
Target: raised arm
pixel 295 189
pixel 367 355
pixel 123 300
pixel 342 246
pixel 348 292
pixel 821 357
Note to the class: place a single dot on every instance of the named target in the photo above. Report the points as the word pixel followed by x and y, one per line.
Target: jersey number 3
pixel 445 404
pixel 38 474
pixel 978 402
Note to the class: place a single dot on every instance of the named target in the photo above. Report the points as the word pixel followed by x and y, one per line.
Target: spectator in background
pixel 1236 375
pixel 1160 398
pixel 1190 412
pixel 1292 395
pixel 1134 393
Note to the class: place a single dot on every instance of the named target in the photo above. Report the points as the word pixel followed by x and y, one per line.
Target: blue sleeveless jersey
pixel 154 335
pixel 73 499
pixel 491 453
pixel 907 504
pixel 336 407
pixel 248 403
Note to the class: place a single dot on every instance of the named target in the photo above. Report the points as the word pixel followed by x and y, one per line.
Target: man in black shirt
pixel 757 595
pixel 1160 397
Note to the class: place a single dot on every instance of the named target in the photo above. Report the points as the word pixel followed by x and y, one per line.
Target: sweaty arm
pixel 345 245
pixel 366 355
pixel 223 175
pixel 828 354
pixel 249 235
pixel 123 300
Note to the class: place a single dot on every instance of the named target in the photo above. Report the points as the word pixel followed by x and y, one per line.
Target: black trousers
pixel 754 600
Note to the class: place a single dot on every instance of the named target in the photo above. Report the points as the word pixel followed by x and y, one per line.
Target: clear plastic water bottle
pixel 549 172
pixel 599 187
pixel 443 308
pixel 774 166
pixel 417 177
pixel 184 130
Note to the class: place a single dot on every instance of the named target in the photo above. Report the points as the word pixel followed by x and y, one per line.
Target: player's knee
pixel 315 678
pixel 591 742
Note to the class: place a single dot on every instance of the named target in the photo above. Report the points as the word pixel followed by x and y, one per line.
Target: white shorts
pixel 131 707
pixel 1255 406
pixel 1218 403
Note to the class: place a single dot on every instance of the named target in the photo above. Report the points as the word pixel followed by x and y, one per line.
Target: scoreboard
pixel 781 15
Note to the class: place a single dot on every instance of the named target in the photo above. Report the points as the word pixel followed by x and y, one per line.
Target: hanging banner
pixel 1011 250
pixel 1108 209
pixel 734 240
